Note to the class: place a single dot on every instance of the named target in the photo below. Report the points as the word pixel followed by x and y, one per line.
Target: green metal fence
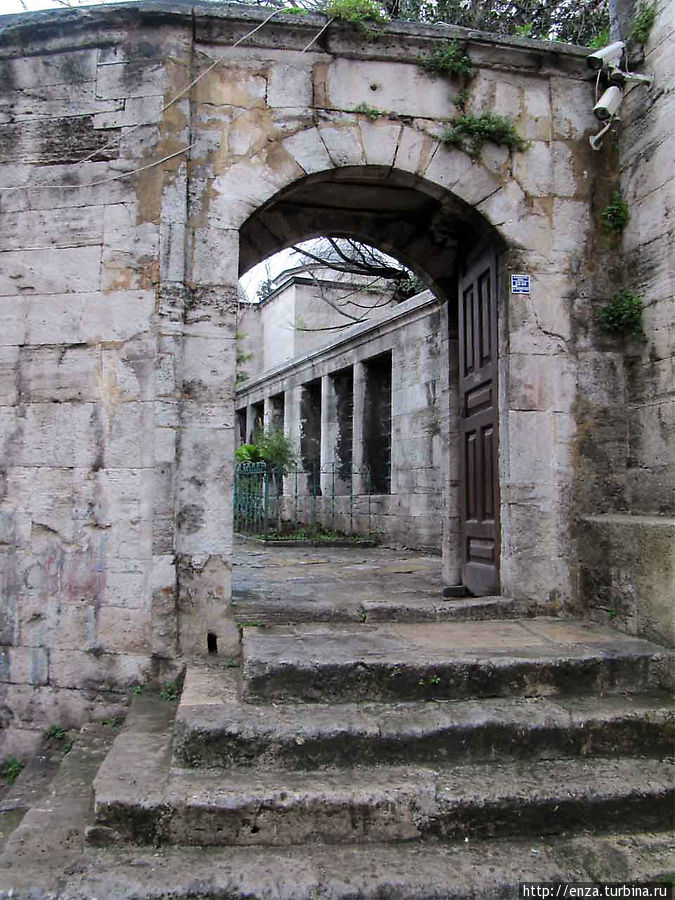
pixel 307 503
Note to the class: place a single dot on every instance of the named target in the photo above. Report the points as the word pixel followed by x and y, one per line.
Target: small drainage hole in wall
pixel 211 642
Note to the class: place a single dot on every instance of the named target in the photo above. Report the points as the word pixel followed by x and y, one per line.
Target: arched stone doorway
pixel 458 252
pixel 436 209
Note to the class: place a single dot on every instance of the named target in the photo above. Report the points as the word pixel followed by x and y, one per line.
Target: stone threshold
pixel 446 661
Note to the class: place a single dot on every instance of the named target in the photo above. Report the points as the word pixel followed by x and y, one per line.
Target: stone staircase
pixel 432 759
pixel 412 735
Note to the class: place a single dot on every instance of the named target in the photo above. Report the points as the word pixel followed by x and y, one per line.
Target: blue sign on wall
pixel 520 284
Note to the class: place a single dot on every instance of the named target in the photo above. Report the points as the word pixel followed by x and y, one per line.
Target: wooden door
pixel 479 470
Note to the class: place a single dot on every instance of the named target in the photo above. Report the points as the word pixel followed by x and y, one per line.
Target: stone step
pixel 447 661
pixel 280 610
pixel 139 798
pixel 490 870
pixel 50 859
pixel 214 728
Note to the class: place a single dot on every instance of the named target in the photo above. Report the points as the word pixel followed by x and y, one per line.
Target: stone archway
pixel 432 206
pixel 437 234
pixel 161 133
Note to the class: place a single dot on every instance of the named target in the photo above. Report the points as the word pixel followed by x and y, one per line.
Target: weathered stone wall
pixel 628 412
pixel 89 365
pixel 118 297
pixel 647 171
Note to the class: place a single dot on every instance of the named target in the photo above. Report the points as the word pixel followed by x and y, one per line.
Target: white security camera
pixel 607 58
pixel 618 76
pixel 608 105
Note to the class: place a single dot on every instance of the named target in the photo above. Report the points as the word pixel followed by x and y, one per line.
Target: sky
pixel 269 268
pixel 15 6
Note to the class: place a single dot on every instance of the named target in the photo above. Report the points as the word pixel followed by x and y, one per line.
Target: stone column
pixel 250 421
pixel 358 445
pixel 267 414
pixel 292 431
pixel 328 434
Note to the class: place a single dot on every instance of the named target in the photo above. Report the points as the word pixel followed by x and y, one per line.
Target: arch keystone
pixel 308 150
pixel 343 143
pixel 380 141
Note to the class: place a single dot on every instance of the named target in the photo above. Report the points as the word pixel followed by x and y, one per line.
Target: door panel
pixel 478 427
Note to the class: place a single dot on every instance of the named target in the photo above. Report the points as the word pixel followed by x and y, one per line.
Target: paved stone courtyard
pixel 284 585
pixel 339 576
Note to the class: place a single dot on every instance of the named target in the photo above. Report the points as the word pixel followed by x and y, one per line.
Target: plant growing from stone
pixel 461 99
pixel 169 691
pixel 616 214
pixel 643 23
pixel 622 315
pixel 469 133
pixel 370 111
pixel 11 769
pixel 55 732
pixel 113 721
pixel 356 12
pixel 449 60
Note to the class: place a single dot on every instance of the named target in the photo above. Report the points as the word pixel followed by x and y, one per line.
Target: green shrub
pixel 470 132
pixel 600 40
pixel 370 111
pixel 616 214
pixel 272 447
pixel 57 732
pixel 248 453
pixel 11 769
pixel 358 12
pixel 169 691
pixel 623 314
pixel 449 59
pixel 643 23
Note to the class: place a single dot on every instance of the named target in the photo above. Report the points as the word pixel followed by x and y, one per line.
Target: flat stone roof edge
pixel 119 13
